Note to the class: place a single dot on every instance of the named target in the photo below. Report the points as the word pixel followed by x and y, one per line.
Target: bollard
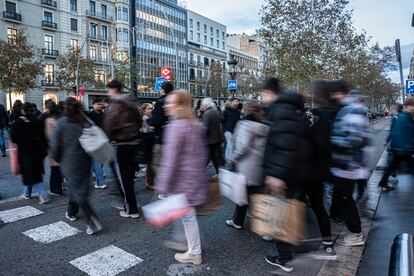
pixel 402 254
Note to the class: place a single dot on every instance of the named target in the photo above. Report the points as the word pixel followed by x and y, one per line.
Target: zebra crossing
pixel 107 261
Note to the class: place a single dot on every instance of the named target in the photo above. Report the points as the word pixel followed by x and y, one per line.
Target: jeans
pixel 216 155
pixel 2 141
pixel 229 145
pixel 99 173
pixel 40 189
pixel 191 232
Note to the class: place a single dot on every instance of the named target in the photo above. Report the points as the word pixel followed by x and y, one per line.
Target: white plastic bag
pixel 233 186
pixel 95 143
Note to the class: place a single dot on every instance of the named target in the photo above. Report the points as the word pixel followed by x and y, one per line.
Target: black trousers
pixel 216 155
pixel 397 158
pixel 241 211
pixel 127 166
pixel 344 205
pixel 73 209
pixel 56 180
pixel 314 190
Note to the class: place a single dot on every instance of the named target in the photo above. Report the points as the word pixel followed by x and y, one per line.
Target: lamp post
pixel 232 63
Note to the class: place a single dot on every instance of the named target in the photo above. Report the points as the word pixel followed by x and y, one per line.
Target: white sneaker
pixel 101 186
pixel 267 238
pixel 231 223
pixel 352 239
pixel 71 218
pixel 44 200
pixel 188 258
pixel 126 215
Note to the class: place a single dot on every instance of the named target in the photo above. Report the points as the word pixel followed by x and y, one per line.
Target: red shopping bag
pixel 14 159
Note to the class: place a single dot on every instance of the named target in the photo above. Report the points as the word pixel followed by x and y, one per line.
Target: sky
pixel 383 20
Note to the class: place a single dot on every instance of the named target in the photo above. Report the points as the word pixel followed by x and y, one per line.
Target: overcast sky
pixel 384 20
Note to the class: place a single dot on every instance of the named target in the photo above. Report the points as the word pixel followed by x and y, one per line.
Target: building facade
pixel 250 49
pixel 206 44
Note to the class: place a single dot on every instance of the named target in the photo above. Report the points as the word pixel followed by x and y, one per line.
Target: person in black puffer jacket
pixel 286 160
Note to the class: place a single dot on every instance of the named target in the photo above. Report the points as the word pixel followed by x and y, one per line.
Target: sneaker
pixel 352 239
pixel 386 188
pixel 44 200
pixel 93 226
pixel 232 224
pixel 71 218
pixel 101 186
pixel 267 238
pixel 180 246
pixel 325 252
pixel 26 196
pixel 126 215
pixel 275 261
pixel 188 258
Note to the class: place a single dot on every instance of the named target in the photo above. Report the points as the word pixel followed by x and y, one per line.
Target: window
pixel 223 45
pixel 191 23
pixel 11 34
pixel 49 71
pixel 198 59
pixel 192 74
pixel 103 11
pixel 92 29
pixel 206 62
pixel 223 36
pixel 73 24
pixel 191 35
pixel 191 57
pixel 211 42
pixel 48 17
pixel 211 31
pixel 198 26
pixel 73 5
pixel 104 32
pixel 92 7
pixel 99 76
pixel 104 54
pixel 48 42
pixel 74 43
pixel 10 7
pixel 92 52
pixel 205 28
pixel 205 39
pixel 125 14
pixel 198 37
pixel 218 43
pixel 125 35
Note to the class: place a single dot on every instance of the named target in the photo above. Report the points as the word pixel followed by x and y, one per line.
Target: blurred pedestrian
pixel 212 121
pixel 37 111
pixel 97 116
pixel 148 137
pixel 4 123
pixel 349 137
pixel 122 125
pixel 231 115
pixel 182 168
pixel 75 163
pixel 15 112
pixel 26 133
pixel 247 156
pixel 286 160
pixel 56 179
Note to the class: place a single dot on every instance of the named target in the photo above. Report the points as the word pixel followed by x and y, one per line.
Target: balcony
pixel 49 83
pixel 49 25
pixel 98 15
pixel 49 4
pixel 99 37
pixel 50 52
pixel 12 16
pixel 100 60
pixel 192 63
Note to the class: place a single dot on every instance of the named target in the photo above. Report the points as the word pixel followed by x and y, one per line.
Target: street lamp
pixel 232 63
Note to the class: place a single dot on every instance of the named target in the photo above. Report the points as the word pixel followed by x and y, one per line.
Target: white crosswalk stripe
pixel 107 261
pixel 52 232
pixel 19 213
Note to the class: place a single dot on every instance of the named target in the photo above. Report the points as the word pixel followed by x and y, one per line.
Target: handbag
pixel 162 212
pixel 233 186
pixel 14 159
pixel 280 218
pixel 96 144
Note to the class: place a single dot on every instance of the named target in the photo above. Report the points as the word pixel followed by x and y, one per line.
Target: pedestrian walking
pixel 147 134
pixel 247 156
pixel 231 115
pixel 97 116
pixel 26 133
pixel 15 112
pixel 286 160
pixel 75 163
pixel 4 123
pixel 122 124
pixel 182 168
pixel 56 179
pixel 349 139
pixel 212 121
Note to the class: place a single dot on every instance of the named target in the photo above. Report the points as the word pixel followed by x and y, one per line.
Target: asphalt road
pixel 226 251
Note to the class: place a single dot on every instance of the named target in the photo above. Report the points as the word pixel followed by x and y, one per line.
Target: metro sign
pixel 166 73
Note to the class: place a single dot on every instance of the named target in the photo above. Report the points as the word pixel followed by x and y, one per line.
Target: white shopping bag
pixel 162 212
pixel 233 186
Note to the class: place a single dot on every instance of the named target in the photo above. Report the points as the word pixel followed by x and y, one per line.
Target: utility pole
pixel 398 54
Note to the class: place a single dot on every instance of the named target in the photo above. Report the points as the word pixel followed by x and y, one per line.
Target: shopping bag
pixel 162 212
pixel 214 198
pixel 14 159
pixel 280 218
pixel 233 186
pixel 96 144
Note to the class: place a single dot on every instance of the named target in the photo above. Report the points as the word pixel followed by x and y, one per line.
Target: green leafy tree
pixel 125 70
pixel 21 65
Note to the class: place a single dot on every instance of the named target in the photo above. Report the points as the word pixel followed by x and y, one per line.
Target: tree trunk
pixel 10 100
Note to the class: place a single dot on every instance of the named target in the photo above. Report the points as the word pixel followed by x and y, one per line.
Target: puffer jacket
pixel 249 147
pixel 287 148
pixel 123 121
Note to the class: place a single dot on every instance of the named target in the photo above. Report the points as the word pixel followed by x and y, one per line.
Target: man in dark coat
pixel 4 122
pixel 286 160
pixel 231 115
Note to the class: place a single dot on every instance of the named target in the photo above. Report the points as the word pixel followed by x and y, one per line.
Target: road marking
pixel 186 269
pixel 107 261
pixel 19 213
pixel 52 232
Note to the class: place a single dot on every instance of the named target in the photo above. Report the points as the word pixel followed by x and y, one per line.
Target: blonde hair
pixel 183 101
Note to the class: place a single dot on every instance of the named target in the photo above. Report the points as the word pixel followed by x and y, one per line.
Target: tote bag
pixel 233 186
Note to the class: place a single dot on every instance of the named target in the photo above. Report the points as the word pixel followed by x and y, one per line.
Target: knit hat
pixel 167 87
pixel 272 84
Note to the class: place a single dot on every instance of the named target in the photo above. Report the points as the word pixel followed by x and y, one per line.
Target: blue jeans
pixel 40 189
pixel 229 145
pixel 99 173
pixel 2 141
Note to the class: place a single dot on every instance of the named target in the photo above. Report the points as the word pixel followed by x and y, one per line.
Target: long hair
pixel 74 111
pixel 254 110
pixel 54 111
pixel 183 101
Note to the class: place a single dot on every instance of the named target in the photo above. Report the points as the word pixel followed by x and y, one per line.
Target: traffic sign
pixel 158 83
pixel 232 85
pixel 409 87
pixel 166 73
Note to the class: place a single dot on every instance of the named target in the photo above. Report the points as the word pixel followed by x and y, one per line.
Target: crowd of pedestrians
pixel 271 142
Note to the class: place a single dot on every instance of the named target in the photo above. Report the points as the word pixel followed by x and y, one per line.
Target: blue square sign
pixel 232 85
pixel 409 87
pixel 158 83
